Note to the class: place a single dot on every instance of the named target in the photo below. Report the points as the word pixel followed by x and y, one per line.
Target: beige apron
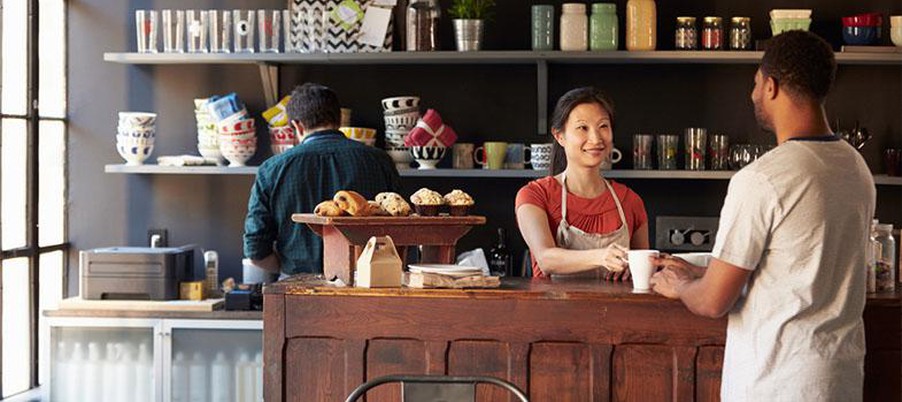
pixel 573 238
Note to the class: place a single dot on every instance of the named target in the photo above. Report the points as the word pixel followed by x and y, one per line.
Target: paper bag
pixel 379 266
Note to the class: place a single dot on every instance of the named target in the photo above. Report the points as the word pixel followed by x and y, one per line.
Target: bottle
pixel 211 271
pixel 258 377
pixel 244 378
pixel 603 28
pixel 91 379
pixel 125 375
pixel 886 259
pixel 423 25
pixel 144 375
pixel 108 372
pixel 873 249
pixel 220 379
pixel 712 33
pixel 686 35
pixel 499 257
pixel 197 378
pixel 179 379
pixel 741 33
pixel 59 374
pixel 641 25
pixel 574 27
pixel 74 387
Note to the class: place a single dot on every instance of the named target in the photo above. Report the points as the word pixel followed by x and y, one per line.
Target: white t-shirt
pixel 799 219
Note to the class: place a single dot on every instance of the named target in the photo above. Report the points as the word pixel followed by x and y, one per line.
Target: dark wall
pixel 481 102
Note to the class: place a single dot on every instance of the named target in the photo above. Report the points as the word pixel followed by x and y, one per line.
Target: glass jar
pixel 686 35
pixel 603 27
pixel 422 25
pixel 641 25
pixel 574 27
pixel 712 33
pixel 885 270
pixel 741 33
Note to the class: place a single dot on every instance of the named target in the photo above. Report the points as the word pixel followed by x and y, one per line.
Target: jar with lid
pixel 603 27
pixel 641 25
pixel 885 271
pixel 740 33
pixel 574 27
pixel 873 249
pixel 686 35
pixel 712 33
pixel 422 25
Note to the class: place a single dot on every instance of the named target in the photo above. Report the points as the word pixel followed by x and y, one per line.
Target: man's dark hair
pixel 314 105
pixel 801 62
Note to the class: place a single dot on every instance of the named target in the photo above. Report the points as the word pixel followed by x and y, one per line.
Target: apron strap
pixel 616 201
pixel 564 198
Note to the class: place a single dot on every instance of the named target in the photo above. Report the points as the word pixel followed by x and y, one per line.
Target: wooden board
pixel 388 220
pixel 77 303
pixel 429 280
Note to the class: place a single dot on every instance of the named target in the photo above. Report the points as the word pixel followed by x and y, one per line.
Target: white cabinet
pixel 155 359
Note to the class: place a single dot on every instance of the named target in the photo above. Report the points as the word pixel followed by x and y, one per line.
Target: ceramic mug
pixel 641 269
pixel 492 153
pixel 516 156
pixel 540 156
pixel 463 155
pixel 613 158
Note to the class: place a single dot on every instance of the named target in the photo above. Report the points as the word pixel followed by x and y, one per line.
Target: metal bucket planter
pixel 468 35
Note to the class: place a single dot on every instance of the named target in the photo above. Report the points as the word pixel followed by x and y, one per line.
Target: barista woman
pixel 576 221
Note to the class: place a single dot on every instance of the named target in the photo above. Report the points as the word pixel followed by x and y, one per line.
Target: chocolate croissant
pixel 351 203
pixel 327 208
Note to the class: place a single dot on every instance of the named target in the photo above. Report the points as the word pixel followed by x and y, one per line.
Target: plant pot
pixel 468 35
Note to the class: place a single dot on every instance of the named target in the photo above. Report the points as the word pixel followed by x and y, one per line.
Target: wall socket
pixel 685 233
pixel 164 237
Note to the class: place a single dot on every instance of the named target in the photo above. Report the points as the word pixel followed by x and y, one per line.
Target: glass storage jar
pixel 603 27
pixel 574 27
pixel 886 258
pixel 686 35
pixel 641 25
pixel 740 33
pixel 422 25
pixel 712 33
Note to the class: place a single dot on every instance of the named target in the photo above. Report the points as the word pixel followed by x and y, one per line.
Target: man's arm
pixel 711 295
pixel 269 263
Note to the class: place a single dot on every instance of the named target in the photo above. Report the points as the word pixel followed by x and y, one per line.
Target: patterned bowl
pixel 428 157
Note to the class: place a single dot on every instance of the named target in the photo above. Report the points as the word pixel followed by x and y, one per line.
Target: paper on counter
pixel 474 258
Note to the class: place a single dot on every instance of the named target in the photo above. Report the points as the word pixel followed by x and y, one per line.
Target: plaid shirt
pixel 299 179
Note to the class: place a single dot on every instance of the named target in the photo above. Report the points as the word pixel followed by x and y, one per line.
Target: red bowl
pixel 863 20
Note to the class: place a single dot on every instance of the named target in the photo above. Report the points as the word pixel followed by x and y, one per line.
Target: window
pixel 32 183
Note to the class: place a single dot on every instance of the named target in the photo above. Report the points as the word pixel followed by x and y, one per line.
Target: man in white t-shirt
pixel 789 259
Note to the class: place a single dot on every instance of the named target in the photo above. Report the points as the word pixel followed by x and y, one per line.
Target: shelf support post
pixel 269 74
pixel 542 96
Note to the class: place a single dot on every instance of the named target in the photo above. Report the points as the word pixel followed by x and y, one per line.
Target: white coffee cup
pixel 698 259
pixel 641 269
pixel 613 158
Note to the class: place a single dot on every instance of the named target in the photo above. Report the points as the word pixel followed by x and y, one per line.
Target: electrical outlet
pixel 685 233
pixel 163 237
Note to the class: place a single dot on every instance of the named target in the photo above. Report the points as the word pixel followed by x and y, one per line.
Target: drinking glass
pixel 146 22
pixel 174 31
pixel 642 151
pixel 220 31
pixel 244 30
pixel 667 151
pixel 290 41
pixel 696 144
pixel 719 149
pixel 269 23
pixel 197 31
pixel 543 27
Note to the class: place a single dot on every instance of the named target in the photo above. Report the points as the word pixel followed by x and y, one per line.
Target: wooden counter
pixel 574 340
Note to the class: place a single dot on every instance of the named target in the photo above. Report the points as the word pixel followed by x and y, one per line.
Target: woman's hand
pixel 613 258
pixel 621 276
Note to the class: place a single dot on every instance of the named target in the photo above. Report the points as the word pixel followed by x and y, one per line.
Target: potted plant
pixel 469 19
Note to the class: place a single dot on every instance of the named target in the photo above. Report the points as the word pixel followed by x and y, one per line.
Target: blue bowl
pixel 859 36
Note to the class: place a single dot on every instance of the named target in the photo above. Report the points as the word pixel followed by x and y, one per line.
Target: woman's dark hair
pixel 801 62
pixel 562 109
pixel 314 105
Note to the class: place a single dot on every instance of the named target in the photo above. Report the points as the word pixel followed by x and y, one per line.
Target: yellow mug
pixel 492 153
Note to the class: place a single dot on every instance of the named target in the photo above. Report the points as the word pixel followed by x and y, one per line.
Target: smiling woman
pixel 32 183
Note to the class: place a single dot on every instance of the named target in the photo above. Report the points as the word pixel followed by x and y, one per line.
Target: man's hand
pixel 669 281
pixel 668 261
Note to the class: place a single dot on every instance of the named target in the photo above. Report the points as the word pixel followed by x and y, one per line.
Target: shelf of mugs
pixel 483 57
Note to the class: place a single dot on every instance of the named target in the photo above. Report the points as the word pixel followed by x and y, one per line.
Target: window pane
pixel 12 183
pixel 52 183
pixel 16 328
pixel 15 56
pixel 51 280
pixel 52 64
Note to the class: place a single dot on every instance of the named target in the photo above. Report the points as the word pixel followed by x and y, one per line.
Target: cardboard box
pixel 379 266
pixel 310 29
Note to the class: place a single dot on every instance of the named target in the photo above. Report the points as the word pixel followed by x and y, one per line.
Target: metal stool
pixel 429 388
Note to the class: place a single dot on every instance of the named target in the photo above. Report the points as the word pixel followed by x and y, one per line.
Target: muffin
pixel 393 204
pixel 427 202
pixel 459 202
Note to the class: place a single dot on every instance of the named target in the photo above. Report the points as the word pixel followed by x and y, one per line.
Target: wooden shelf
pixel 484 57
pixel 464 173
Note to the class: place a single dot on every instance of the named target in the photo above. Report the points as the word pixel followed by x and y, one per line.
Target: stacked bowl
pixel 282 138
pixel 135 136
pixel 237 138
pixel 895 29
pixel 862 29
pixel 360 134
pixel 782 20
pixel 401 114
pixel 207 137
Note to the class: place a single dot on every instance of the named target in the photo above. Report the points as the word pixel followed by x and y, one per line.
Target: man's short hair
pixel 801 62
pixel 314 105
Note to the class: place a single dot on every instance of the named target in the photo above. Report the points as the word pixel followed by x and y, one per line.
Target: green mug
pixel 492 155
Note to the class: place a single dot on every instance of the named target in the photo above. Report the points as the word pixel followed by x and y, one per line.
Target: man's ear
pixel 771 88
pixel 298 127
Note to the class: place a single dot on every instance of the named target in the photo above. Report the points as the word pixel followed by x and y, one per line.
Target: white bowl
pixel 895 33
pixel 428 157
pixel 237 155
pixel 148 133
pixel 783 13
pixel 279 148
pixel 401 156
pixel 895 21
pixel 402 121
pixel 134 154
pixel 142 119
pixel 210 152
pixel 237 137
pixel 125 140
pixel 395 138
pixel 400 102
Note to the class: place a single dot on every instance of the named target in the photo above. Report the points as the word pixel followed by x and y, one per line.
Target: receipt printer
pixel 135 273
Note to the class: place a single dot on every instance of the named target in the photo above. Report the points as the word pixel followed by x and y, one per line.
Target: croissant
pixel 327 208
pixel 375 209
pixel 352 203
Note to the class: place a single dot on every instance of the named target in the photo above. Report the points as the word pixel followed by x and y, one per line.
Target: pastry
pixel 459 202
pixel 376 209
pixel 351 203
pixel 327 208
pixel 427 202
pixel 393 204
